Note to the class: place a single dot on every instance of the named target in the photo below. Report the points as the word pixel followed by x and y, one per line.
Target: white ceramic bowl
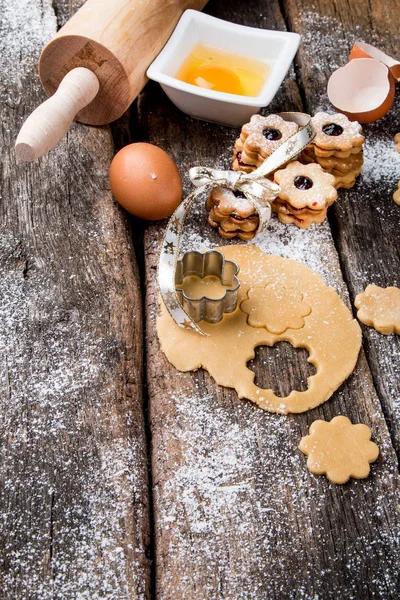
pixel 275 47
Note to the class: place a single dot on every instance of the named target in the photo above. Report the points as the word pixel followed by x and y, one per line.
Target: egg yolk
pixel 223 71
pixel 216 77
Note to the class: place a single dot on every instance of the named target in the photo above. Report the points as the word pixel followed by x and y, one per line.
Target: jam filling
pixel 303 183
pixel 238 218
pixel 332 129
pixel 272 134
pixel 240 162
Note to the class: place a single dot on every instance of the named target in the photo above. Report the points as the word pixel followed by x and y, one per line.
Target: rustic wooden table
pixel 121 477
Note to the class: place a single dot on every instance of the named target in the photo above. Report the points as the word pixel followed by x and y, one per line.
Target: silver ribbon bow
pixel 257 189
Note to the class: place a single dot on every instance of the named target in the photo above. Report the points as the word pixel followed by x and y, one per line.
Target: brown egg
pixel 146 181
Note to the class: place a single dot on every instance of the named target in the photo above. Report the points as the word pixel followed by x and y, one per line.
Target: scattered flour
pixel 381 162
pixel 235 497
pixel 73 476
pixel 234 491
pixel 25 30
pixel 250 486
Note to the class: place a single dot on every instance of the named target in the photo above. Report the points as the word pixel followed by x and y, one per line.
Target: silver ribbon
pixel 261 192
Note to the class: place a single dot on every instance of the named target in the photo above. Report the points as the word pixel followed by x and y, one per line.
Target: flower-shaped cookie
pixel 275 307
pixel 339 449
pixel 306 185
pixel 232 214
pixel 263 135
pixel 380 308
pixel 345 165
pixel 232 203
pixel 396 195
pixel 336 132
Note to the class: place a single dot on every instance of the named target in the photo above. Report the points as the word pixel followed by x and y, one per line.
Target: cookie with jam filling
pixel 337 148
pixel 306 193
pixel 259 139
pixel 232 214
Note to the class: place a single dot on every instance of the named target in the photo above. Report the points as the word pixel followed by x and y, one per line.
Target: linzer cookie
pixel 344 170
pixel 306 193
pixel 330 163
pixel 232 214
pixel 336 133
pixel 259 139
pixel 337 148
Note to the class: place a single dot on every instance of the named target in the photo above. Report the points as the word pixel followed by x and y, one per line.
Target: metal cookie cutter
pixel 203 265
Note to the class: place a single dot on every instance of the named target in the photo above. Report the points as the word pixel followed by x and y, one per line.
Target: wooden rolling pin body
pixel 117 40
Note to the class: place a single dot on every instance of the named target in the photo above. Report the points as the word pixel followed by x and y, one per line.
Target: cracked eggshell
pixel 363 50
pixel 363 90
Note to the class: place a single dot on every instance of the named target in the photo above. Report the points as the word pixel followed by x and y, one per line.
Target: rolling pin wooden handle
pixel 45 127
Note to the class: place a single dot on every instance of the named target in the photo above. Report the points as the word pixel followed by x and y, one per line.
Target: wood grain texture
pixel 366 221
pixel 237 515
pixel 73 464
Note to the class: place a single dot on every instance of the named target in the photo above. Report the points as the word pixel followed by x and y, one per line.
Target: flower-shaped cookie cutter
pixel 211 263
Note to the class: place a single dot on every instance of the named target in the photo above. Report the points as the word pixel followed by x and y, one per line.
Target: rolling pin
pixel 96 66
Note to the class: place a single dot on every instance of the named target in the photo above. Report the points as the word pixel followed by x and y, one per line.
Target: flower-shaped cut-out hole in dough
pixel 380 308
pixel 270 362
pixel 275 307
pixel 339 449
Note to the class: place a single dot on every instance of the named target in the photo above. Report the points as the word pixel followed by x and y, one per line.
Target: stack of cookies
pixel 308 186
pixel 259 139
pixel 232 214
pixel 306 193
pixel 337 148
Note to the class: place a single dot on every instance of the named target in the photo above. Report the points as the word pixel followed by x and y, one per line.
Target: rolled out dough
pixel 330 334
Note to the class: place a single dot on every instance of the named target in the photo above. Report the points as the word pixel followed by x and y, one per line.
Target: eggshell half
pixel 363 90
pixel 363 50
pixel 146 181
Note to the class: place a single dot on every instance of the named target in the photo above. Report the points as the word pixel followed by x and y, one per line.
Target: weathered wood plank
pixel 366 221
pixel 237 515
pixel 73 463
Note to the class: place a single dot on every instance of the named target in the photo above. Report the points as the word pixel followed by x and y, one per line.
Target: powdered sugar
pixel 73 478
pixel 381 162
pixel 233 506
pixel 44 382
pixel 25 30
